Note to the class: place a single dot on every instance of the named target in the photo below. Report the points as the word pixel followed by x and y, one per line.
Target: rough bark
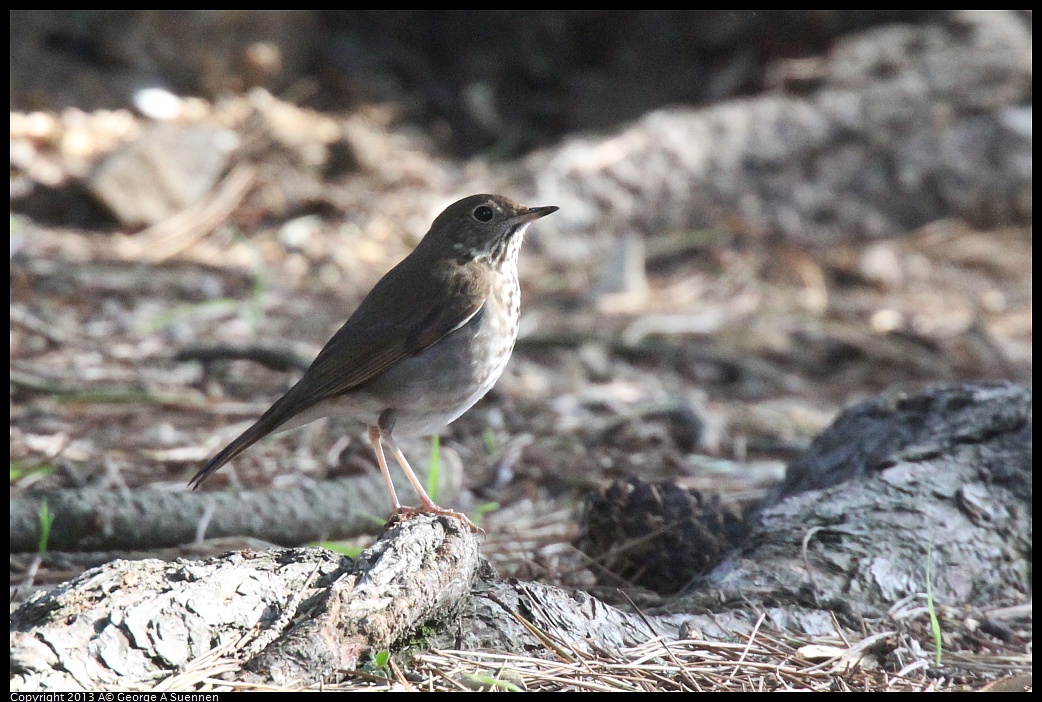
pixel 135 624
pixel 955 485
pixel 942 476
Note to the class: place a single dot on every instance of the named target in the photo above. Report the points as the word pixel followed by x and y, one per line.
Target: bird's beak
pixel 534 213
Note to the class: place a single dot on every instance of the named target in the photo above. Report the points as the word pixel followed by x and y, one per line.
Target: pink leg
pixel 374 439
pixel 426 504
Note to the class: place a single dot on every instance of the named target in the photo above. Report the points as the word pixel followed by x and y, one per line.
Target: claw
pixel 441 511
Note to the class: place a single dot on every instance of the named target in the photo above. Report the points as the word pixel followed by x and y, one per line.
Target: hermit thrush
pixel 427 342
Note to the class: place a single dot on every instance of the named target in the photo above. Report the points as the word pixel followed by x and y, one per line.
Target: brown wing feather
pixel 391 324
pixel 407 325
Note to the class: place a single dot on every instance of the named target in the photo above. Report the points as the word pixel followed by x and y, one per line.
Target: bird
pixel 429 340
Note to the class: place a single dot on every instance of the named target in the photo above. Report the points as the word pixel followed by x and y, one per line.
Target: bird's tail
pixel 270 421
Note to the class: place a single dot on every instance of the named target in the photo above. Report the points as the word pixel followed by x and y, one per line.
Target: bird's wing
pixel 394 322
pixel 407 324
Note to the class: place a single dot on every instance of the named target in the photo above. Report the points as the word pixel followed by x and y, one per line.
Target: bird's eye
pixel 483 214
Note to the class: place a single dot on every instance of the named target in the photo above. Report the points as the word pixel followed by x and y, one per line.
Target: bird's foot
pixel 431 508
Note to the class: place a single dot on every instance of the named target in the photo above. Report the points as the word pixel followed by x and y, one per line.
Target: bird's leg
pixel 374 439
pixel 426 503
